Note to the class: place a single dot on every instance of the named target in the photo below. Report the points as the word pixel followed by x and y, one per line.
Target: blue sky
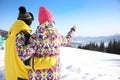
pixel 92 17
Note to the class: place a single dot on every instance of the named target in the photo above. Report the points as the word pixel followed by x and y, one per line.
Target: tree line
pixel 112 47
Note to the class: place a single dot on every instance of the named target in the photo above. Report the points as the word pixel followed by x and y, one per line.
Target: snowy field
pixel 78 64
pixel 1 64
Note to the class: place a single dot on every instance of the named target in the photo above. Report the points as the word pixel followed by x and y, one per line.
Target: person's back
pixel 49 41
pixel 15 69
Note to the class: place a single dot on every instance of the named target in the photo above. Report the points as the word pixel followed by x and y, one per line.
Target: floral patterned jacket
pixel 49 40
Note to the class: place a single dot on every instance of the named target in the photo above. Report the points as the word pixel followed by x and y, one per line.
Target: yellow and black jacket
pixel 14 67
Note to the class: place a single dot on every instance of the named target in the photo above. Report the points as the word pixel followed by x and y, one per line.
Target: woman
pixel 46 59
pixel 18 50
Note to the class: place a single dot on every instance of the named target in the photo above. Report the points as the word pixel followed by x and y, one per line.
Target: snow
pixel 1 64
pixel 79 64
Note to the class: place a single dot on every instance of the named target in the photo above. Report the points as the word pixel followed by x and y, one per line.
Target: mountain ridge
pixel 85 40
pixel 111 37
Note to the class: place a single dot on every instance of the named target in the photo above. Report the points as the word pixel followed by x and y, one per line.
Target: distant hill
pixel 3 33
pixel 85 40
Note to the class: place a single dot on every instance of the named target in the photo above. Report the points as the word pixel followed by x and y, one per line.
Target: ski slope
pixel 79 64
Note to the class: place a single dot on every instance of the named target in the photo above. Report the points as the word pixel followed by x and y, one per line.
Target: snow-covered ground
pixel 2 65
pixel 78 64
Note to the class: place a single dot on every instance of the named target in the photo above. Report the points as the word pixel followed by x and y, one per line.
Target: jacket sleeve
pixel 66 40
pixel 25 49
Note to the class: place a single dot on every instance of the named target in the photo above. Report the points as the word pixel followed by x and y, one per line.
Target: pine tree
pixel 102 48
pixel 110 46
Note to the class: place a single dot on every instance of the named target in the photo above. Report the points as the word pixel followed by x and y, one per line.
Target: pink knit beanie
pixel 44 15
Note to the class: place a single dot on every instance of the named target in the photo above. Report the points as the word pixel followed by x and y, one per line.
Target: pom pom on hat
pixel 22 9
pixel 44 15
